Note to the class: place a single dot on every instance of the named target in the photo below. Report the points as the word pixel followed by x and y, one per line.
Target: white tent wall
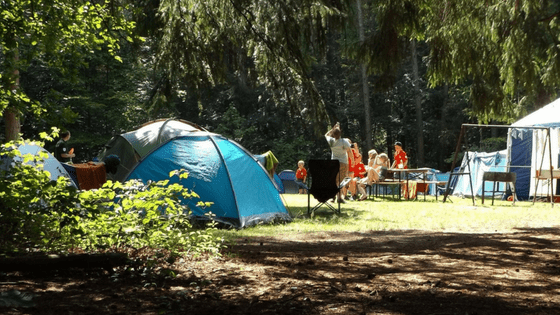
pixel 153 134
pixel 131 147
pixel 478 163
pixel 541 159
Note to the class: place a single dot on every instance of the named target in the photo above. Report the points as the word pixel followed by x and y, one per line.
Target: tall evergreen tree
pixel 200 40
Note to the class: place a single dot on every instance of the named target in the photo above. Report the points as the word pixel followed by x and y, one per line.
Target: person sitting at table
pixel 370 173
pixel 376 168
pixel 376 171
pixel 62 151
pixel 381 165
pixel 401 160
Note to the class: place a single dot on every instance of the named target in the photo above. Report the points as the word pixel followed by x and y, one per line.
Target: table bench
pixel 546 175
pixel 407 178
pixel 384 184
pixel 507 177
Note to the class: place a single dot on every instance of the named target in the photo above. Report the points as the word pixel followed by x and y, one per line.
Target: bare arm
pixel 329 133
pixel 351 155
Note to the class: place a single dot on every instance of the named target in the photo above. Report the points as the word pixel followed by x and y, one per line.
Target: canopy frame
pixel 548 144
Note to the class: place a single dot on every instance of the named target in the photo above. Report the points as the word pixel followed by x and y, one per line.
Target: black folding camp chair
pixel 323 177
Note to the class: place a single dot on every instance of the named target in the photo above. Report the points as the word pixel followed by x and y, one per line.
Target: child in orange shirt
pixel 301 176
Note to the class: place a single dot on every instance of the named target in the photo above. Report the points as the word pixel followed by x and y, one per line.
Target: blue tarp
pixel 439 177
pixel 520 161
pixel 288 178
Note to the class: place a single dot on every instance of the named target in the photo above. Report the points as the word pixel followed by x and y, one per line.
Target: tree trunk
pixel 365 87
pixel 11 113
pixel 13 125
pixel 442 128
pixel 418 101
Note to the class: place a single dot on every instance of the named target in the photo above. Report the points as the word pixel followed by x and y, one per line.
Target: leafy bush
pixel 53 216
pixel 35 210
pixel 134 215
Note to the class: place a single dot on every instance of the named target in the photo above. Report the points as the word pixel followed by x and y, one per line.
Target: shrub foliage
pixel 40 215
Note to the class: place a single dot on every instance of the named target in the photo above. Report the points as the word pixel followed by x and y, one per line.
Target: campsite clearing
pixel 342 264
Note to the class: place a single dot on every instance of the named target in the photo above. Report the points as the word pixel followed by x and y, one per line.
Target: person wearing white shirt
pixel 341 151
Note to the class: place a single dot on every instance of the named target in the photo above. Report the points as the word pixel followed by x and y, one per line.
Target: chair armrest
pixel 344 182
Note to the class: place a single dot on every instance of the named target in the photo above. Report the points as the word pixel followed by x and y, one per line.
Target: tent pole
pixel 223 159
pixel 509 144
pixel 470 175
pixel 550 160
pixel 537 179
pixel 161 129
pixel 469 167
pixel 454 161
pixel 508 163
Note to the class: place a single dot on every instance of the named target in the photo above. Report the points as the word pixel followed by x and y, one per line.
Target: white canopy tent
pixel 536 147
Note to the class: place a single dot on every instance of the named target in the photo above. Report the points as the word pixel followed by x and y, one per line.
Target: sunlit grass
pixel 455 215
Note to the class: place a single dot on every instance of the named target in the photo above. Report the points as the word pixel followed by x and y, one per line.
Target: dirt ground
pixel 394 272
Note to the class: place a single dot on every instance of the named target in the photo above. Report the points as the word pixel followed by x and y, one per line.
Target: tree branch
pixel 547 19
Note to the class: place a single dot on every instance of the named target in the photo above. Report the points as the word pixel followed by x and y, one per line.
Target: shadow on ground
pixel 395 272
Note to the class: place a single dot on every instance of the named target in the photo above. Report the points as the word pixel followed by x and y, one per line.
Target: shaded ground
pixel 396 272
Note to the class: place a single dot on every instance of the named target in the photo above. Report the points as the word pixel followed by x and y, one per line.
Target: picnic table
pixel 410 181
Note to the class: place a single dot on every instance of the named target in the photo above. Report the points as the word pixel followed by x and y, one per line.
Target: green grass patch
pixel 455 215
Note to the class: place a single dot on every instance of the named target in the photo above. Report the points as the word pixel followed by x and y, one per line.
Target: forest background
pixel 275 75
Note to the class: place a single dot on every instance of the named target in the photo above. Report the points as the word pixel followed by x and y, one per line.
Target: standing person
pixel 350 170
pixel 341 150
pixel 62 150
pixel 350 161
pixel 401 160
pixel 301 176
pixel 359 173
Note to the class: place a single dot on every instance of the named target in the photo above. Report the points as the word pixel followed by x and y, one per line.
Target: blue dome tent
pixel 220 170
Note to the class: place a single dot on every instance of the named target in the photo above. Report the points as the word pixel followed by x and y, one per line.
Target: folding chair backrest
pixel 323 175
